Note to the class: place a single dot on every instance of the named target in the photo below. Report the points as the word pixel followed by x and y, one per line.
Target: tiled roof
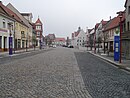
pixel 114 22
pixel 38 21
pixel 60 39
pixel 96 26
pixel 89 30
pixel 126 2
pixel 76 34
pixel 11 13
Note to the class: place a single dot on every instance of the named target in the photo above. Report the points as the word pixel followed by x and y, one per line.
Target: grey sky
pixel 63 17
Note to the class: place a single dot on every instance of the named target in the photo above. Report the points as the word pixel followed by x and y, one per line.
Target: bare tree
pixel 99 41
pixel 34 41
pixel 91 41
pixel 105 38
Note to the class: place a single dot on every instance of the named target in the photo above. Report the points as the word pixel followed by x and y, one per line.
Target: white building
pixel 78 38
pixel 6 29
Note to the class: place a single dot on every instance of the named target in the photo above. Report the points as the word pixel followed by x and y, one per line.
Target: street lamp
pixel 27 42
pixel 121 30
pixel 95 41
pixel 10 38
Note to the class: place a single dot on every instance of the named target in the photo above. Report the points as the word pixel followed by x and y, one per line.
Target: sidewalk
pixel 20 51
pixel 124 65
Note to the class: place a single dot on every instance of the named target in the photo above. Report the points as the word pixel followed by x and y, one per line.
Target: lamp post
pixel 27 43
pixel 10 38
pixel 121 30
pixel 14 39
pixel 95 41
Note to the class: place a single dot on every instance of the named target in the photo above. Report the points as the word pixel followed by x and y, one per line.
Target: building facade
pixel 59 41
pixel 78 38
pixel 6 28
pixel 25 31
pixel 126 34
pixel 111 27
pixel 38 30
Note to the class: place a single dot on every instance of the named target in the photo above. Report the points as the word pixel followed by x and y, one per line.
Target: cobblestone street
pixel 53 74
pixel 102 79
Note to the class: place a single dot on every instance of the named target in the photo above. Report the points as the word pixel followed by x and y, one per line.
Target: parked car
pixel 70 46
pixel 54 46
pixel 50 45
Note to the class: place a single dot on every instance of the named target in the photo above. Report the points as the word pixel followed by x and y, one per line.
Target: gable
pixel 3 11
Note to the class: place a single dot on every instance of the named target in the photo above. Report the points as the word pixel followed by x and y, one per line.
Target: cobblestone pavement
pixel 101 79
pixel 7 58
pixel 53 74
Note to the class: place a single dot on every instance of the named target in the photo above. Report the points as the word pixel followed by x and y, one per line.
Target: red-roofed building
pixel 78 38
pixel 99 27
pixel 38 30
pixel 60 41
pixel 49 39
pixel 111 27
pixel 88 31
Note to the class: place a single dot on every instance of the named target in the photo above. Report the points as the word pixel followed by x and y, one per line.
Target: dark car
pixel 70 46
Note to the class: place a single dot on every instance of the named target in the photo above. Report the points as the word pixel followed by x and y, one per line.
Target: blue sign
pixel 116 48
pixel 10 45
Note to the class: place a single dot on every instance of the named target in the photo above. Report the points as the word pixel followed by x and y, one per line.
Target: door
pixel 0 42
pixel 23 43
pixel 111 46
pixel 5 43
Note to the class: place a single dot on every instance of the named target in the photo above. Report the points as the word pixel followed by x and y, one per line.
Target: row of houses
pixel 19 26
pixel 102 34
pixel 51 39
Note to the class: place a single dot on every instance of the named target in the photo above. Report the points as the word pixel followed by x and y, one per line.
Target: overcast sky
pixel 63 17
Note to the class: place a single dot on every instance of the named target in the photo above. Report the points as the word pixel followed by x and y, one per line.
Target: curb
pixel 21 52
pixel 112 62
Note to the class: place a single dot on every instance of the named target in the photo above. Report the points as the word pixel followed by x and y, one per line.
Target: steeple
pixel 38 21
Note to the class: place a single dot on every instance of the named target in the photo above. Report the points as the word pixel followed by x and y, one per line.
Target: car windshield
pixel 65 49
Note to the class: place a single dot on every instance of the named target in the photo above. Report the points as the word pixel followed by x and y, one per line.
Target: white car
pixel 54 46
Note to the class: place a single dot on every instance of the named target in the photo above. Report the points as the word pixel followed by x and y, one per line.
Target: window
pixel 38 27
pixel 128 9
pixel 22 34
pixel 4 25
pixel 128 26
pixel 38 33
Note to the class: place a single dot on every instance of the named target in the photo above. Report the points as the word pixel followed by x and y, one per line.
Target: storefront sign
pixel 117 45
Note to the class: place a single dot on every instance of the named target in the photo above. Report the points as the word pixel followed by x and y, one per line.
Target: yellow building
pixel 20 35
pixel 25 31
